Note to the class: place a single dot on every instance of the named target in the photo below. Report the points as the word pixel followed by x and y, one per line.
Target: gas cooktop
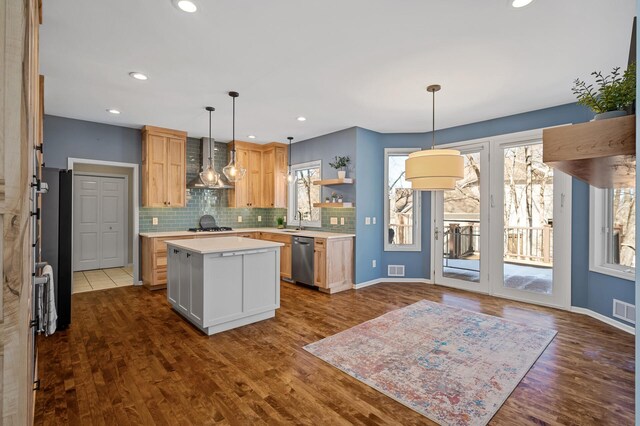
pixel 212 229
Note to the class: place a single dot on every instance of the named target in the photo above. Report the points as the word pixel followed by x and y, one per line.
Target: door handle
pixel 435 233
pixel 562 200
pixel 493 204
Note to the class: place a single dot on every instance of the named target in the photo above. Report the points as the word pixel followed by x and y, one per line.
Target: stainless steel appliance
pixel 302 260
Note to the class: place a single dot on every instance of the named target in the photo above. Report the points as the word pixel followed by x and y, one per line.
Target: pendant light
pixel 434 169
pixel 290 176
pixel 233 171
pixel 208 175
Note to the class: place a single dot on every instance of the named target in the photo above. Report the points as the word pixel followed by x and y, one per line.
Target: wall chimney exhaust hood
pixel 196 182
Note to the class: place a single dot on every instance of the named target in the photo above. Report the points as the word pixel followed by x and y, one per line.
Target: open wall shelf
pixel 330 182
pixel 334 205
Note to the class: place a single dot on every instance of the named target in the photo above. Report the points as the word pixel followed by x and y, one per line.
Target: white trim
pixel 291 212
pixel 617 324
pixel 392 280
pixel 598 200
pixel 417 207
pixel 136 206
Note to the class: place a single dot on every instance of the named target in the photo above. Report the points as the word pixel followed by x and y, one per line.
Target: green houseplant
pixel 340 164
pixel 280 222
pixel 612 96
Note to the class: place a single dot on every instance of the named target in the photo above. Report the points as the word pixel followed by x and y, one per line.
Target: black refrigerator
pixel 55 244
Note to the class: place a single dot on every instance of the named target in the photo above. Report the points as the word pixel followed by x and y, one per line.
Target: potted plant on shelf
pixel 334 197
pixel 340 164
pixel 327 199
pixel 340 198
pixel 613 96
pixel 280 222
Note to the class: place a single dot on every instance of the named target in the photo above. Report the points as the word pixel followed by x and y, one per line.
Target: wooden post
pixel 19 132
pixel 546 243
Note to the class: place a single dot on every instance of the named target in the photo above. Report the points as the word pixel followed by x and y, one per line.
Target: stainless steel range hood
pixel 196 182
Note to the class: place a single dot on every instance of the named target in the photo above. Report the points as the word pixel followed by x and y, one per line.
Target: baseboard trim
pixel 605 319
pixel 392 280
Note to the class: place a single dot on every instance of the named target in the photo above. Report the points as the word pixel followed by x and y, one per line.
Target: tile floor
pixel 102 279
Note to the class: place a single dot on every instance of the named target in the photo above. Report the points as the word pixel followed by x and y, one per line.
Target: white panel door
pixel 86 214
pixel 112 223
pixel 99 222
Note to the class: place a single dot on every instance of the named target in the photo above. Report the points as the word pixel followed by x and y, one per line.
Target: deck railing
pixel 529 244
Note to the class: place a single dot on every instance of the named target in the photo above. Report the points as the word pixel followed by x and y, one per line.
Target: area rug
pixel 454 366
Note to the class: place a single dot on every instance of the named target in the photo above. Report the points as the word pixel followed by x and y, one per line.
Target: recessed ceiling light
pixel 113 111
pixel 186 5
pixel 301 118
pixel 138 75
pixel 251 136
pixel 520 3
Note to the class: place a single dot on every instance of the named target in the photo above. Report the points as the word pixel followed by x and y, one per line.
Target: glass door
pixel 460 228
pixel 530 215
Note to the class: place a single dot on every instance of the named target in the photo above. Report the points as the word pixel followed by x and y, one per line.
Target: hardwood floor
pixel 129 359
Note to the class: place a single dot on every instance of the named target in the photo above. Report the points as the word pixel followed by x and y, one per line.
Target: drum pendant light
pixel 290 176
pixel 208 175
pixel 434 169
pixel 233 171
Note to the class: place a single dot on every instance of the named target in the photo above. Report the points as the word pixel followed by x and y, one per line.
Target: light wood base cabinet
pixel 285 251
pixel 333 264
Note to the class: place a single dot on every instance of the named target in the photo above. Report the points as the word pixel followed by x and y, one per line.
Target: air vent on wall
pixel 395 270
pixel 624 311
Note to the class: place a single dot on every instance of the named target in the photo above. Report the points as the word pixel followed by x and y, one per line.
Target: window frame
pixel 417 207
pixel 291 195
pixel 598 240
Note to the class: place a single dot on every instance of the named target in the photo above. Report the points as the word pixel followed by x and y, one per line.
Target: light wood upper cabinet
pixel 274 183
pixel 164 156
pixel 265 183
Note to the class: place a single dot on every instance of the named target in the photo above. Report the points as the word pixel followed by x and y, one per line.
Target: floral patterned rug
pixel 454 366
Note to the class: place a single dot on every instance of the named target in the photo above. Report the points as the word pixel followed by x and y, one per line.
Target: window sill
pixel 613 272
pixel 401 249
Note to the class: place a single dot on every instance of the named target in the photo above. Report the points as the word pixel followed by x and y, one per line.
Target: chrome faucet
pixel 300 228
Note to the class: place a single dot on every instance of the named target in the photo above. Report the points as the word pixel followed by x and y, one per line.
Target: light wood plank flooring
pixel 102 279
pixel 129 359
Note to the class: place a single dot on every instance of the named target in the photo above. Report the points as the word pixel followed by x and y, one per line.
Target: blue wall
pixel 637 283
pixel 66 137
pixel 326 148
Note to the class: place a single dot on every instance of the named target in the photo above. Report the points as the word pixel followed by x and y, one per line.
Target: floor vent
pixel 395 270
pixel 624 311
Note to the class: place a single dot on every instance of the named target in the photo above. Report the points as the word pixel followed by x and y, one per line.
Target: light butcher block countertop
pixel 221 244
pixel 304 233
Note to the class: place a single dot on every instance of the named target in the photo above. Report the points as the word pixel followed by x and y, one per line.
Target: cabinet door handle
pixel 188 254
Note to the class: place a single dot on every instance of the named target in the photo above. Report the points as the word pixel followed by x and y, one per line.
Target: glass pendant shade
pixel 233 171
pixel 434 169
pixel 290 177
pixel 209 176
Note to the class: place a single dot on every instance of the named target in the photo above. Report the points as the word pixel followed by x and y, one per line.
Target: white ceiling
pixel 340 63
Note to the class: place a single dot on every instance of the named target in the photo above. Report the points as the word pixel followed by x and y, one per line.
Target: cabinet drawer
pixel 160 277
pixel 160 244
pixel 286 239
pixel 160 261
pixel 320 242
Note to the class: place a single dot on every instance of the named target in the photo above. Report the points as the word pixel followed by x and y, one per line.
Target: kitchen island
pixel 222 283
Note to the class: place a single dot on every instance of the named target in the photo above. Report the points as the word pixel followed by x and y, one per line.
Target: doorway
pixel 98 260
pixel 498 230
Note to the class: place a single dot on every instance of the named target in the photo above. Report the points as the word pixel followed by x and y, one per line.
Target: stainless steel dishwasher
pixel 302 260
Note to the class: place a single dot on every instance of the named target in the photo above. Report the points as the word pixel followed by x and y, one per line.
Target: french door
pixel 530 225
pixel 505 229
pixel 461 225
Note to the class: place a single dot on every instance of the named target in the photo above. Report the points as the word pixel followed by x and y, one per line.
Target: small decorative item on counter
pixel 340 198
pixel 334 197
pixel 341 164
pixel 280 222
pixel 327 199
pixel 614 96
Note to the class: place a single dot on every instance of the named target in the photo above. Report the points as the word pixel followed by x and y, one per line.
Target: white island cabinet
pixel 225 282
